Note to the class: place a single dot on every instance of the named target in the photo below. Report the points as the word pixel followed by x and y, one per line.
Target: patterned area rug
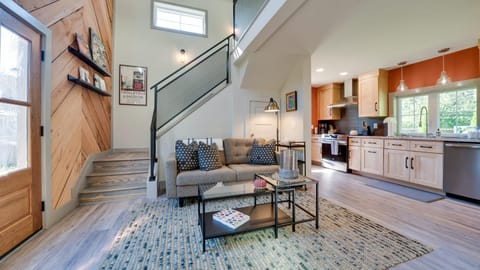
pixel 160 235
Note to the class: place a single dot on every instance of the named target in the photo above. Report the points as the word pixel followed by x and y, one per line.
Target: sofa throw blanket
pixel 263 153
pixel 186 155
pixel 208 157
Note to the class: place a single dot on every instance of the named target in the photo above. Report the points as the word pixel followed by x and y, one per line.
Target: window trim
pixel 432 108
pixel 153 26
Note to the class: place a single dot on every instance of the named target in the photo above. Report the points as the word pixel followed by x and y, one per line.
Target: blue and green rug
pixel 160 235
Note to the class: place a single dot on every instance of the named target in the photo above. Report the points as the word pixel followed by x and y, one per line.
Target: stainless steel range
pixel 334 151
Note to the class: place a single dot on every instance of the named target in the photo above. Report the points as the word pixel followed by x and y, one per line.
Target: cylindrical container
pixel 288 164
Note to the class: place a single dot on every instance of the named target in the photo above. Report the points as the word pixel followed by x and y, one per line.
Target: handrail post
pixel 153 141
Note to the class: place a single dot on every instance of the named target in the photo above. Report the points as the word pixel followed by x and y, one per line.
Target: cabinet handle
pixel 371 142
pixel 376 103
pixel 411 163
pixel 423 146
pixel 372 152
pixel 396 144
pixel 406 160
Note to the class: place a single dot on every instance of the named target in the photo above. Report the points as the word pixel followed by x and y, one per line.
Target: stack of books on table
pixel 231 218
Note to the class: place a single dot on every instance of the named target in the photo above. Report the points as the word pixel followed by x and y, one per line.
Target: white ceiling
pixel 358 36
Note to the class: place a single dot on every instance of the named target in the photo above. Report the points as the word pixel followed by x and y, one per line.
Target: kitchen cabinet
pixel 327 95
pixel 354 154
pixel 373 94
pixel 371 159
pixel 316 152
pixel 418 162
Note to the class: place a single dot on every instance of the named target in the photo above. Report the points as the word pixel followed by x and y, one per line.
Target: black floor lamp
pixel 273 107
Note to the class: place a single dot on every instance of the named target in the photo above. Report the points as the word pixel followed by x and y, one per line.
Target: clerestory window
pixel 177 18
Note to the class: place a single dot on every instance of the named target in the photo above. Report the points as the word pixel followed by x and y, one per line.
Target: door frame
pixel 45 86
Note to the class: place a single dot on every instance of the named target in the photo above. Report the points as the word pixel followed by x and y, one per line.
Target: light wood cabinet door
pixel 354 158
pixel 426 169
pixel 327 95
pixel 372 160
pixel 373 94
pixel 316 152
pixel 396 164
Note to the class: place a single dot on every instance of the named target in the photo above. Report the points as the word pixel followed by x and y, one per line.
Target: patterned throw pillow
pixel 263 154
pixel 208 157
pixel 186 155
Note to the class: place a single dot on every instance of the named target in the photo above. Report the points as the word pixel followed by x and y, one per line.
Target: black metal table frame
pixel 274 201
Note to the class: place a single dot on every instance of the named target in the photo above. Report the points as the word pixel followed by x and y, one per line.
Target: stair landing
pixel 117 176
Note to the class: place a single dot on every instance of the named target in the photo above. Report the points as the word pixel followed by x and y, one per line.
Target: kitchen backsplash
pixel 350 120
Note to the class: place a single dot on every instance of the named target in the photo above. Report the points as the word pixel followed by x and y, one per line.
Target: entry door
pixel 20 184
pixel 262 124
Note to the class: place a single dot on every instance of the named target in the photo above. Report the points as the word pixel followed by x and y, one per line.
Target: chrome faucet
pixel 426 116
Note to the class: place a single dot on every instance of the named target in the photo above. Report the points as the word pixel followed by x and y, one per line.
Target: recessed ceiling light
pixel 343 73
pixel 320 70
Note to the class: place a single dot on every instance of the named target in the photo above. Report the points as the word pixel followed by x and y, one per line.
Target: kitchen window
pixel 177 18
pixel 453 111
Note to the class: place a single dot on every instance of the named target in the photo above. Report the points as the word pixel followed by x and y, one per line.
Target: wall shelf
pixel 88 86
pixel 88 61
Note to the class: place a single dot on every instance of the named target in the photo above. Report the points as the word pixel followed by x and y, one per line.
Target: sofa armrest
pixel 171 176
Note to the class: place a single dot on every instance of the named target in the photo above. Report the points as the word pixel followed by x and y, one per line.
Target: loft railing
pixel 244 14
pixel 178 92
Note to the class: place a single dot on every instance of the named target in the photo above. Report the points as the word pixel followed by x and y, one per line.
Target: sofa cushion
pixel 263 153
pixel 237 150
pixel 247 171
pixel 208 157
pixel 195 177
pixel 186 156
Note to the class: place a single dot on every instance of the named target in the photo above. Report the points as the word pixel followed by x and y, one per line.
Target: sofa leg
pixel 181 202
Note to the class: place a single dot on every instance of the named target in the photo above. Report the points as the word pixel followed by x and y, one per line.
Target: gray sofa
pixel 235 159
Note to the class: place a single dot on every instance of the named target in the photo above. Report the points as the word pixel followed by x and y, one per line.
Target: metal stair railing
pixel 180 91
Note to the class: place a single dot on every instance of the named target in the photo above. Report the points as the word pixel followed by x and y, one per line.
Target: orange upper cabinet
pixel 327 95
pixel 373 94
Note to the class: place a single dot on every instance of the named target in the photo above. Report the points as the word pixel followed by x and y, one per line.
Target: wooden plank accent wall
pixel 80 119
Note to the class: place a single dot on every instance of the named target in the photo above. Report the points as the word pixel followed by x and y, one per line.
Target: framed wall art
pixel 291 100
pixel 99 55
pixel 133 85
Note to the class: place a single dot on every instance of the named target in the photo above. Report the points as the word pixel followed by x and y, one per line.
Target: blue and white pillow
pixel 208 157
pixel 186 155
pixel 263 154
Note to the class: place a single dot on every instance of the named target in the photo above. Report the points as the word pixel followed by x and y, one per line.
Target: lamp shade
pixel 401 86
pixel 444 79
pixel 272 106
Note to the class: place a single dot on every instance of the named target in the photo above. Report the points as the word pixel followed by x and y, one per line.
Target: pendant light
pixel 444 79
pixel 402 86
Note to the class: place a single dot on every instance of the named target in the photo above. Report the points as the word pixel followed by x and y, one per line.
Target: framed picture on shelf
pixel 83 75
pixel 291 100
pixel 82 45
pixel 99 82
pixel 133 85
pixel 97 49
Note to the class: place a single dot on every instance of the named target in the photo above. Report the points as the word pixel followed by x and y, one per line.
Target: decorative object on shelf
pixel 133 85
pixel 291 101
pixel 402 86
pixel 82 45
pixel 83 74
pixel 444 79
pixel 259 183
pixel 231 218
pixel 87 85
pixel 272 106
pixel 98 53
pixel 288 164
pixel 99 82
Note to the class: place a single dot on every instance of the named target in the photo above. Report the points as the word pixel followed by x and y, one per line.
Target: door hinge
pixel 42 55
pixel 43 206
pixel 41 131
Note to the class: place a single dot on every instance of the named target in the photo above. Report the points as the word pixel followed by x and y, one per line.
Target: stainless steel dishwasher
pixel 461 169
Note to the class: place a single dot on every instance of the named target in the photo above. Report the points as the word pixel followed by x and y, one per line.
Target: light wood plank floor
pixel 449 226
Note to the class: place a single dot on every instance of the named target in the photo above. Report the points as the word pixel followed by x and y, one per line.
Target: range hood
pixel 349 94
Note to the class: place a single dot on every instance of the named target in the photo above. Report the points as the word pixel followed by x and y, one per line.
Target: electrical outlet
pixel 375 125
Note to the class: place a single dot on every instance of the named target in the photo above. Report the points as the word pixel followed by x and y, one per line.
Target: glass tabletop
pixel 275 180
pixel 225 190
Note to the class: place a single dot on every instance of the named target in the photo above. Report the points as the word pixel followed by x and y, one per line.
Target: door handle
pixel 411 163
pixel 372 152
pixel 376 103
pixel 406 160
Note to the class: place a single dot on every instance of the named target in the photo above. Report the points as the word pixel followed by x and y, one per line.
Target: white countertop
pixel 418 138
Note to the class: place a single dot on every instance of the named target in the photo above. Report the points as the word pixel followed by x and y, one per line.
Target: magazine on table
pixel 231 218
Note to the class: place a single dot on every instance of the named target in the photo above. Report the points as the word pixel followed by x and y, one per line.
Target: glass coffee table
pixel 264 215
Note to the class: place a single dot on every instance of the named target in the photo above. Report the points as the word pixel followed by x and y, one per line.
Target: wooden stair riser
pixel 111 195
pixel 99 199
pixel 113 180
pixel 120 166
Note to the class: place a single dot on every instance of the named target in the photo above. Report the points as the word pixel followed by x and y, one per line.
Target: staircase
pixel 119 175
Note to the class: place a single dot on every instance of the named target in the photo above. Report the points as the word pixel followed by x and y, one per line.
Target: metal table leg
pixel 293 210
pixel 203 224
pixel 316 206
pixel 275 209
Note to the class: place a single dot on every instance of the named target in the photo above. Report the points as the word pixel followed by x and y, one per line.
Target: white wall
pixel 136 43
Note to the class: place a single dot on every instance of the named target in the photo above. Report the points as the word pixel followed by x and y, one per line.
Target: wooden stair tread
pixel 114 188
pixel 124 156
pixel 116 173
pixel 102 199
